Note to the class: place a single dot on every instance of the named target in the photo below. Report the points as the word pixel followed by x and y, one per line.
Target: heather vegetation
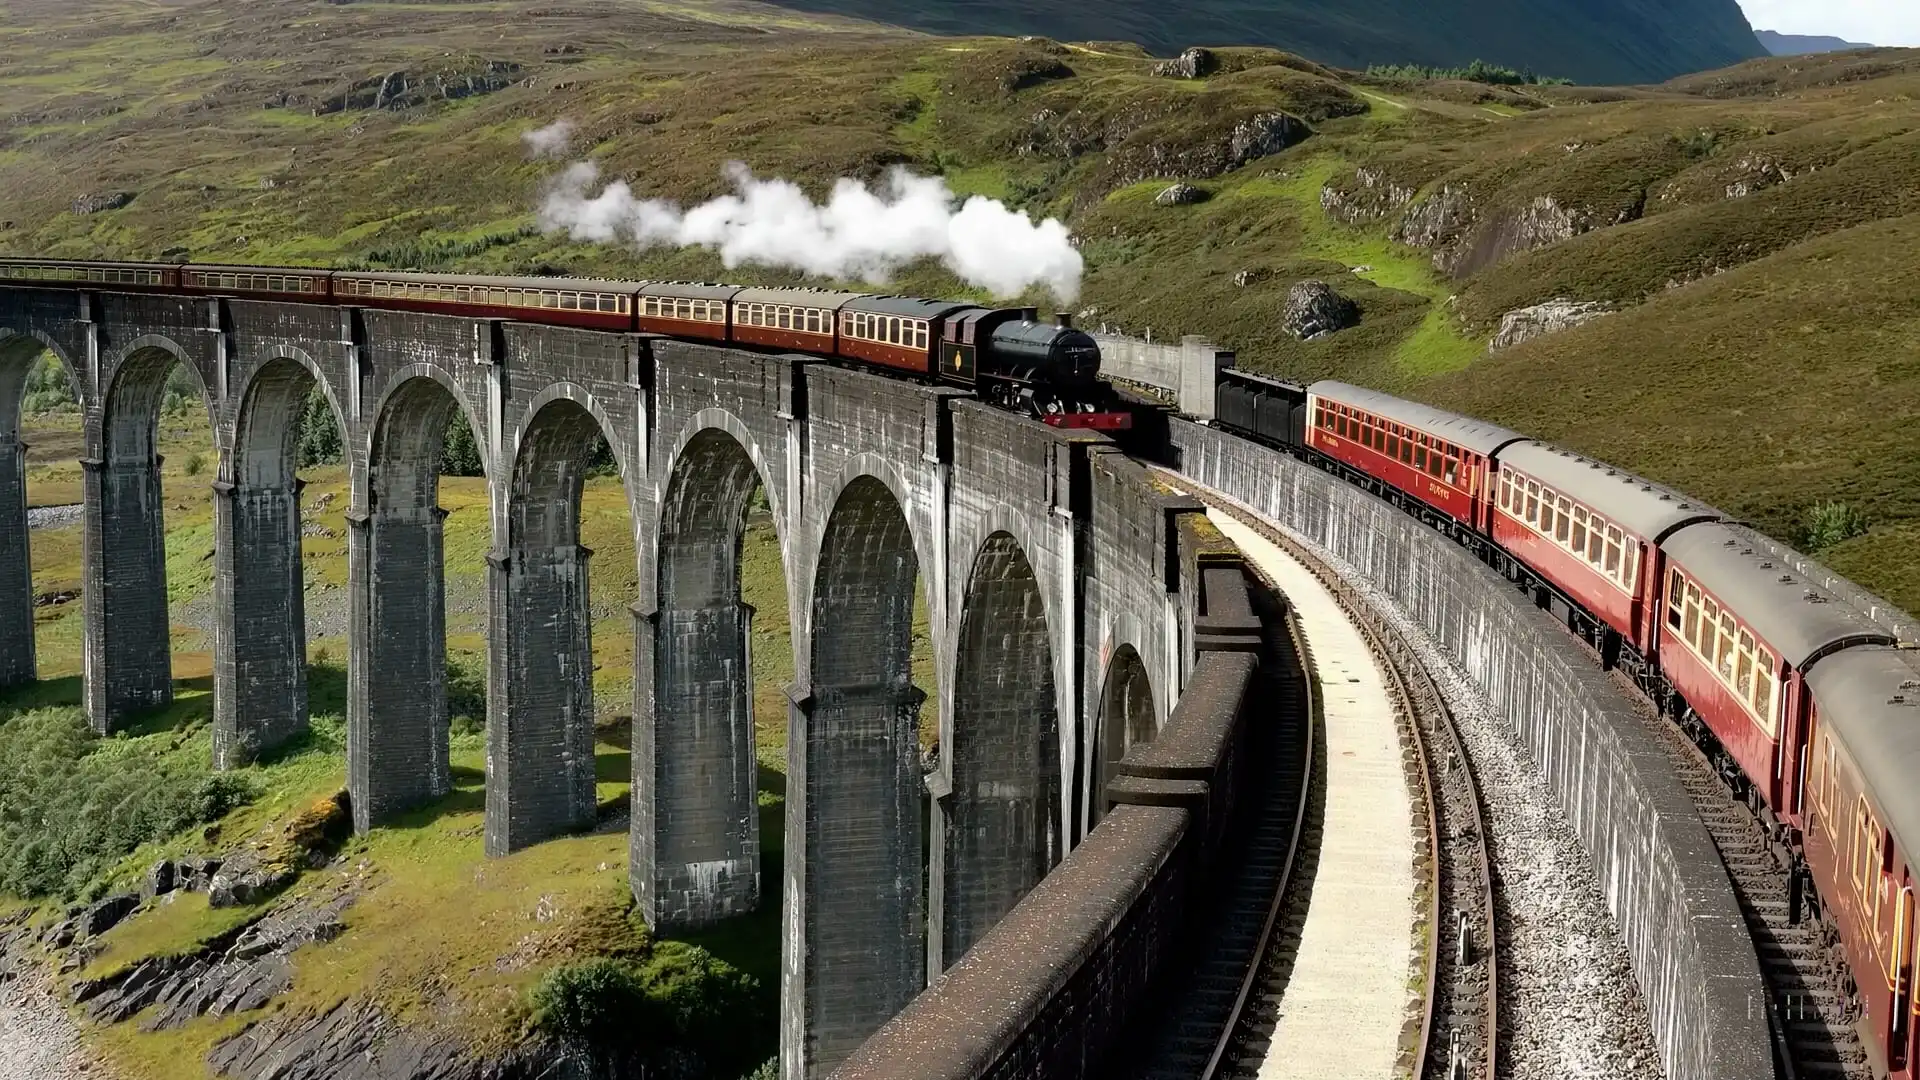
pixel 1753 230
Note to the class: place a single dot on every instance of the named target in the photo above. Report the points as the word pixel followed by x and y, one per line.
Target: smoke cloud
pixel 551 141
pixel 857 233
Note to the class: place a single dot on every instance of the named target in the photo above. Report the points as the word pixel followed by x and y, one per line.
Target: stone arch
pixel 396 695
pixel 584 398
pixel 128 654
pixel 696 840
pixel 404 394
pixel 260 636
pixel 1126 718
pixel 860 920
pixel 1003 828
pixel 17 355
pixel 540 779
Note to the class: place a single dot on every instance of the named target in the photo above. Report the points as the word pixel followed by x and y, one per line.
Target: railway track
pixel 1189 1041
pixel 1454 1034
pixel 1814 1036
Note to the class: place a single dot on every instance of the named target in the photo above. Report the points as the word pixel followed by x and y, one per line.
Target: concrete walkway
pixel 1347 1000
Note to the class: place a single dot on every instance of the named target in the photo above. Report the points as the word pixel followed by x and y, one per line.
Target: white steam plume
pixel 551 141
pixel 856 234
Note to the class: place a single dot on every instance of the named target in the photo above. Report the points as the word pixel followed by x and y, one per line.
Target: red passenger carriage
pixel 1440 458
pixel 1861 814
pixel 1592 532
pixel 1739 632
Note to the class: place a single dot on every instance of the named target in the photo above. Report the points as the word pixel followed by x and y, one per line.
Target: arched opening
pixel 260 663
pixel 697 858
pixel 129 654
pixel 1127 719
pixel 540 705
pixel 34 387
pixel 397 708
pixel 1002 821
pixel 859 820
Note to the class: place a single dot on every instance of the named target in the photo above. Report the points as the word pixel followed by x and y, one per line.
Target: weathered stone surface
pixel 103 915
pixel 238 971
pixel 1315 309
pixel 1193 63
pixel 1252 276
pixel 1370 196
pixel 1180 195
pixel 355 1041
pixel 1435 222
pixel 1555 315
pixel 1263 136
pixel 195 872
pixel 248 878
pixel 159 880
pixel 101 202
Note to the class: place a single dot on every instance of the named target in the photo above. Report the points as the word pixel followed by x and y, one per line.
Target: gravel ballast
pixel 1569 1003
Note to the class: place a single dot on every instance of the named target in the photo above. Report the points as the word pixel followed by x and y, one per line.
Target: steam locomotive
pixel 1006 356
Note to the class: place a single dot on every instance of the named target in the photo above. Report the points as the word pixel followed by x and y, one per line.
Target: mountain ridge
pixel 1780 44
pixel 1590 41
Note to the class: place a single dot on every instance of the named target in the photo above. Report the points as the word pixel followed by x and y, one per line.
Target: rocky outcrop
pixel 248 878
pixel 101 202
pixel 1193 63
pixel 1263 136
pixel 398 90
pixel 1315 309
pixel 1180 195
pixel 1252 276
pixel 354 1041
pixel 1368 197
pixel 1757 172
pixel 1528 323
pixel 1437 222
pixel 239 971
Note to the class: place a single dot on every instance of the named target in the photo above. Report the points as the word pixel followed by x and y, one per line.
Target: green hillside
pixel 1755 231
pixel 1598 41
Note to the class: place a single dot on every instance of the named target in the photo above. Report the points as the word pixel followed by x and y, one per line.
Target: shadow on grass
pixel 752 943
pixel 45 694
pixel 612 765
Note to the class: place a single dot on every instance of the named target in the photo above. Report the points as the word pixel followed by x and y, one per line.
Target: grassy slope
pixel 468 966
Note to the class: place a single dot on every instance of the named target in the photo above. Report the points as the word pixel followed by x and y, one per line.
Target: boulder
pixel 101 202
pixel 1264 135
pixel 195 872
pixel 1315 309
pixel 103 915
pixel 1525 324
pixel 246 879
pixel 1194 63
pixel 1180 195
pixel 159 880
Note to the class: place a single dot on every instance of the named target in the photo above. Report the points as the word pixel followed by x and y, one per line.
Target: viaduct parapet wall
pixel 1662 877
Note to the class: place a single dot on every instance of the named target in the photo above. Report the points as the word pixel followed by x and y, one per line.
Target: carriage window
pixel 1420 458
pixel 1533 503
pixel 1563 524
pixel 1453 470
pixel 1579 530
pixel 1596 542
pixel 1393 445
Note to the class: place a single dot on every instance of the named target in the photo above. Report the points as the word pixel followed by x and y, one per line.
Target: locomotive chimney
pixel 1030 314
pixel 1063 320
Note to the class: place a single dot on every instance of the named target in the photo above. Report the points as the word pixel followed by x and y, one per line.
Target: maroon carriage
pixel 1437 457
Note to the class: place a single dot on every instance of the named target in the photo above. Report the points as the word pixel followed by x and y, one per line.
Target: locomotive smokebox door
pixel 956 361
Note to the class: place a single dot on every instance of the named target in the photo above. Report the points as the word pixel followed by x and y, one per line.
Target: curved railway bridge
pixel 1123 706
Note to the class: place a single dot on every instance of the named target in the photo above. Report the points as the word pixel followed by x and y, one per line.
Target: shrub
pixel 460 454
pixel 73 805
pixel 195 464
pixel 320 442
pixel 1828 524
pixel 682 1001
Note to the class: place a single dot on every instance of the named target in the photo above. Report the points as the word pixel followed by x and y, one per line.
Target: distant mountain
pixel 1801 44
pixel 1592 41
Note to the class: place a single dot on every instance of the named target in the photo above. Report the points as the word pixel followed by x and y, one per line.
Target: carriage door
pixel 1900 982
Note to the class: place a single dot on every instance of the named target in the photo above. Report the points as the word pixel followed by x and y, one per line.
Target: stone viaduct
pixel 1049 566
